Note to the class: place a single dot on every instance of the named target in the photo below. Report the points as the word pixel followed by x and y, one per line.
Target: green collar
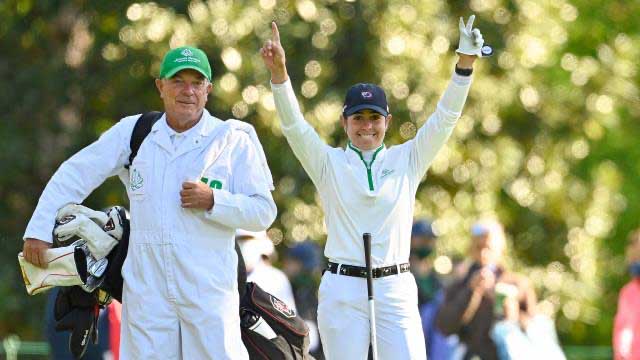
pixel 368 166
pixel 359 152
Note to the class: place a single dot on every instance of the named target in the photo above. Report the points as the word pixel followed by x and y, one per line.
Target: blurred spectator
pixel 467 310
pixel 626 328
pixel 520 332
pixel 488 295
pixel 430 294
pixel 423 241
pixel 258 250
pixel 59 341
pixel 302 264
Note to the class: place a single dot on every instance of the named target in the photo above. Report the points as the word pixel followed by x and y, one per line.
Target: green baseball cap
pixel 185 57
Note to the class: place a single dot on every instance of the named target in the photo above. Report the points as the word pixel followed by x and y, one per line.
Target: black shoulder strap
pixel 140 132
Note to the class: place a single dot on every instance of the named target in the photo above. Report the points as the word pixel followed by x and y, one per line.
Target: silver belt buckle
pixel 341 270
pixel 386 271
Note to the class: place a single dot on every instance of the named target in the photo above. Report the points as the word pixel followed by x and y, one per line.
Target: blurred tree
pixel 548 140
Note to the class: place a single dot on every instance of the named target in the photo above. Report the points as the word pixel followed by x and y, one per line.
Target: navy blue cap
pixel 422 228
pixel 307 253
pixel 365 96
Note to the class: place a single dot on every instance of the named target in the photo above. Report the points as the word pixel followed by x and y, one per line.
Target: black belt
pixel 360 271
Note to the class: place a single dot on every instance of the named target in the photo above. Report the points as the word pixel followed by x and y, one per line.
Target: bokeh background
pixel 548 141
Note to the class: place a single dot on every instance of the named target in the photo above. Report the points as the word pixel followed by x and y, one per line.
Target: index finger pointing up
pixel 275 34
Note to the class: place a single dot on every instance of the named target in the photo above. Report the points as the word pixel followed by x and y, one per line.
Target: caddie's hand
pixel 196 195
pixel 33 251
pixel 273 56
pixel 471 40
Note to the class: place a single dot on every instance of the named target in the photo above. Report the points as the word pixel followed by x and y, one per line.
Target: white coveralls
pixel 379 201
pixel 180 296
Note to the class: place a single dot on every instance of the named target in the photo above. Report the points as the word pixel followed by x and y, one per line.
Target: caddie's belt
pixel 360 271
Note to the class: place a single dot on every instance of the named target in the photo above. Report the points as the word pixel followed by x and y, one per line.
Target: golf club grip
pixel 366 237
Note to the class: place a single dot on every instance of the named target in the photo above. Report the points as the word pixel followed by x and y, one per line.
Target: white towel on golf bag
pixel 61 270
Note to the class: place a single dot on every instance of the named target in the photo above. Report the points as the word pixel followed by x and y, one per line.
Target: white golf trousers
pixel 343 317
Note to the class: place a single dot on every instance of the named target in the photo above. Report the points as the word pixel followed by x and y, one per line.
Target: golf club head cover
pixel 77 311
pixel 113 281
pixel 99 242
pixel 68 213
pixel 76 209
pixel 115 225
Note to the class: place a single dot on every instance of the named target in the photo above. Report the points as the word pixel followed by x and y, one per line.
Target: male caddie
pixel 195 179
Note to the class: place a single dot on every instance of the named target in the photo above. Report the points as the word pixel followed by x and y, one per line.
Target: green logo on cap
pixel 185 57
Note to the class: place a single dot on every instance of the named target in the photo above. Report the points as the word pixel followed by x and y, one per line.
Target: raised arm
pixel 303 139
pixel 439 126
pixel 274 57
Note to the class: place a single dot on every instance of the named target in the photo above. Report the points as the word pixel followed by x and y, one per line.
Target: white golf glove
pixel 99 242
pixel 471 40
pixel 75 209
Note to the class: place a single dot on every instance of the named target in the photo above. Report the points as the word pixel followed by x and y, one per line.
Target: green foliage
pixel 547 142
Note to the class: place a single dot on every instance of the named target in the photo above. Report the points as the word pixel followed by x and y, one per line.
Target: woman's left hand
pixel 471 40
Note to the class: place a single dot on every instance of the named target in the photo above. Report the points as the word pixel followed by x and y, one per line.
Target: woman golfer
pixel 367 187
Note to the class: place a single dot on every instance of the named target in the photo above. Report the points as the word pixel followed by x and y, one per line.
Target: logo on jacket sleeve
pixel 281 307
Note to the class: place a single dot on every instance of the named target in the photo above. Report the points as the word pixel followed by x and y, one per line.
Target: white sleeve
pixel 78 176
pixel 438 128
pixel 248 203
pixel 303 139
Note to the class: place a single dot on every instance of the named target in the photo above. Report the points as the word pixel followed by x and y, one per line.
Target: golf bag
pixel 270 329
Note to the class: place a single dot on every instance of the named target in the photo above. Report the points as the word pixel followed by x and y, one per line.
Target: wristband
pixel 463 72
